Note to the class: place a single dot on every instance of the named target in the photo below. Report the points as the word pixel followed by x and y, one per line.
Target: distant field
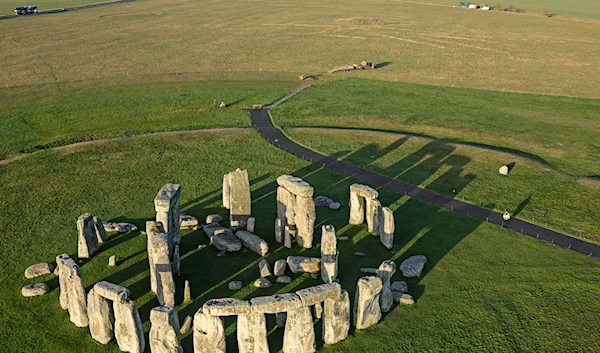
pixel 7 6
pixel 436 45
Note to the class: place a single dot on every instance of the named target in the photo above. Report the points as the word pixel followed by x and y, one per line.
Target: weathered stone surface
pixel 413 266
pixel 302 264
pixel 187 221
pixel 176 266
pixel 252 333
pixel 336 318
pixel 186 326
pixel 209 333
pixel 281 318
pixel 322 201
pixel 240 200
pixel 343 238
pixel 33 290
pixel 111 291
pixel 364 191
pixel 226 307
pixel 387 227
pixel 369 270
pixel 224 240
pixel 161 276
pixel 99 230
pixel 166 204
pixel 264 268
pixel 262 283
pixel 164 330
pixel 211 228
pixel 286 202
pixel 399 286
pixel 296 185
pixel 305 221
pixel 329 254
pixel 278 231
pixel 100 316
pixel 299 335
pixel 284 279
pixel 38 270
pixel 403 298
pixel 503 170
pixel 187 293
pixel 251 224
pixel 112 261
pixel 385 272
pixel 212 218
pixel 357 209
pixel 253 242
pixel 75 293
pixel 374 216
pixel 62 261
pixel 118 227
pixel 317 310
pixel 289 235
pixel 235 285
pixel 279 267
pixel 335 205
pixel 276 303
pixel 87 240
pixel 316 294
pixel 367 311
pixel 226 193
pixel 128 327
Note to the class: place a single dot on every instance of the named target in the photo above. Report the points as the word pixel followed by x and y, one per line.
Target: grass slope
pixel 562 132
pixel 483 288
pixel 7 6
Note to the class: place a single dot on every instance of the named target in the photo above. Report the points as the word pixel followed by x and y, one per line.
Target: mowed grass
pixel 532 191
pixel 483 288
pixel 413 42
pixel 557 131
pixel 7 6
pixel 36 118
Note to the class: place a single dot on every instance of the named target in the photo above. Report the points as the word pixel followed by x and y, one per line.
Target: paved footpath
pixel 262 122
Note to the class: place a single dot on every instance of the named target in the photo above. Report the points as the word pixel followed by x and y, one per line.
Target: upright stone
pixel 186 326
pixel 252 333
pixel 128 327
pixel 161 276
pixel 240 200
pixel 209 333
pixel 187 294
pixel 100 316
pixel 305 220
pixel 87 241
pixel 164 330
pixel 226 192
pixel 357 209
pixel 62 261
pixel 385 272
pixel 99 230
pixel 176 265
pixel 278 231
pixel 251 224
pixel 387 228
pixel 279 267
pixel 264 268
pixel 329 254
pixel 299 335
pixel 374 214
pixel 280 319
pixel 289 235
pixel 76 294
pixel 367 311
pixel 166 204
pixel 286 202
pixel 336 318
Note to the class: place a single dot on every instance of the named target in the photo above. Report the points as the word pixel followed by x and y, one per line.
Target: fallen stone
pixel 385 272
pixel 316 294
pixel 33 290
pixel 118 227
pixel 187 221
pixel 370 270
pixel 295 185
pixel 252 333
pixel 403 298
pixel 343 238
pixel 187 293
pixel 299 334
pixel 128 327
pixel 209 333
pixel 360 254
pixel 225 240
pixel 111 291
pixel 235 285
pixel 336 318
pixel 399 286
pixel 335 205
pixel 276 303
pixel 413 266
pixel 38 270
pixel 503 170
pixel 210 229
pixel 364 191
pixel 302 264
pixel 186 326
pixel 284 279
pixel 279 267
pixel 387 228
pixel 87 240
pixel 322 201
pixel 164 330
pixel 367 311
pixel 251 224
pixel 253 242
pixel 305 221
pixel 100 316
pixel 212 218
pixel 262 283
pixel 202 246
pixel 112 261
pixel 264 268
pixel 226 307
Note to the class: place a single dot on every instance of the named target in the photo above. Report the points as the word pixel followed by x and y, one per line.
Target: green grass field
pixel 7 6
pixel 483 288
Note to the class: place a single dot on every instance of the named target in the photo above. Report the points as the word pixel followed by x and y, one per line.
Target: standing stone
pixel 317 310
pixel 387 228
pixel 87 241
pixel 100 316
pixel 503 170
pixel 367 311
pixel 357 209
pixel 75 293
pixel 166 204
pixel 164 330
pixel 252 333
pixel 374 214
pixel 279 267
pixel 226 193
pixel 209 333
pixel 187 325
pixel 176 266
pixel 281 319
pixel 161 276
pixel 278 231
pixel 240 200
pixel 289 235
pixel 112 261
pixel 128 327
pixel 329 254
pixel 264 268
pixel 62 261
pixel 299 335
pixel 99 230
pixel 253 242
pixel 38 270
pixel 286 201
pixel 251 224
pixel 336 318
pixel 305 221
pixel 187 294
pixel 385 272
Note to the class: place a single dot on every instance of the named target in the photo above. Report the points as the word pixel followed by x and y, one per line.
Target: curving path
pixel 261 120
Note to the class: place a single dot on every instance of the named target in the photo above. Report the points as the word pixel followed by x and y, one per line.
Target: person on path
pixel 215 103
pixel 222 105
pixel 506 215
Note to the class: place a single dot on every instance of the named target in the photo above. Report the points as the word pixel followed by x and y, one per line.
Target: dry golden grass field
pixel 189 40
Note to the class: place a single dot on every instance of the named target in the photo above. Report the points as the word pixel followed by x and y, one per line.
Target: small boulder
pixel 262 283
pixel 187 221
pixel 413 266
pixel 187 325
pixel 302 264
pixel 112 261
pixel 279 267
pixel 235 285
pixel 399 286
pixel 36 289
pixel 343 238
pixel 264 268
pixel 38 270
pixel 335 205
pixel 359 254
pixel 211 218
pixel 370 270
pixel 322 201
pixel 503 170
pixel 284 279
pixel 403 298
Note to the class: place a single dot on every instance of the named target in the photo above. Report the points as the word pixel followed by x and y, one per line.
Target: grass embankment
pixel 7 6
pixel 483 288
pixel 435 45
pixel 33 118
